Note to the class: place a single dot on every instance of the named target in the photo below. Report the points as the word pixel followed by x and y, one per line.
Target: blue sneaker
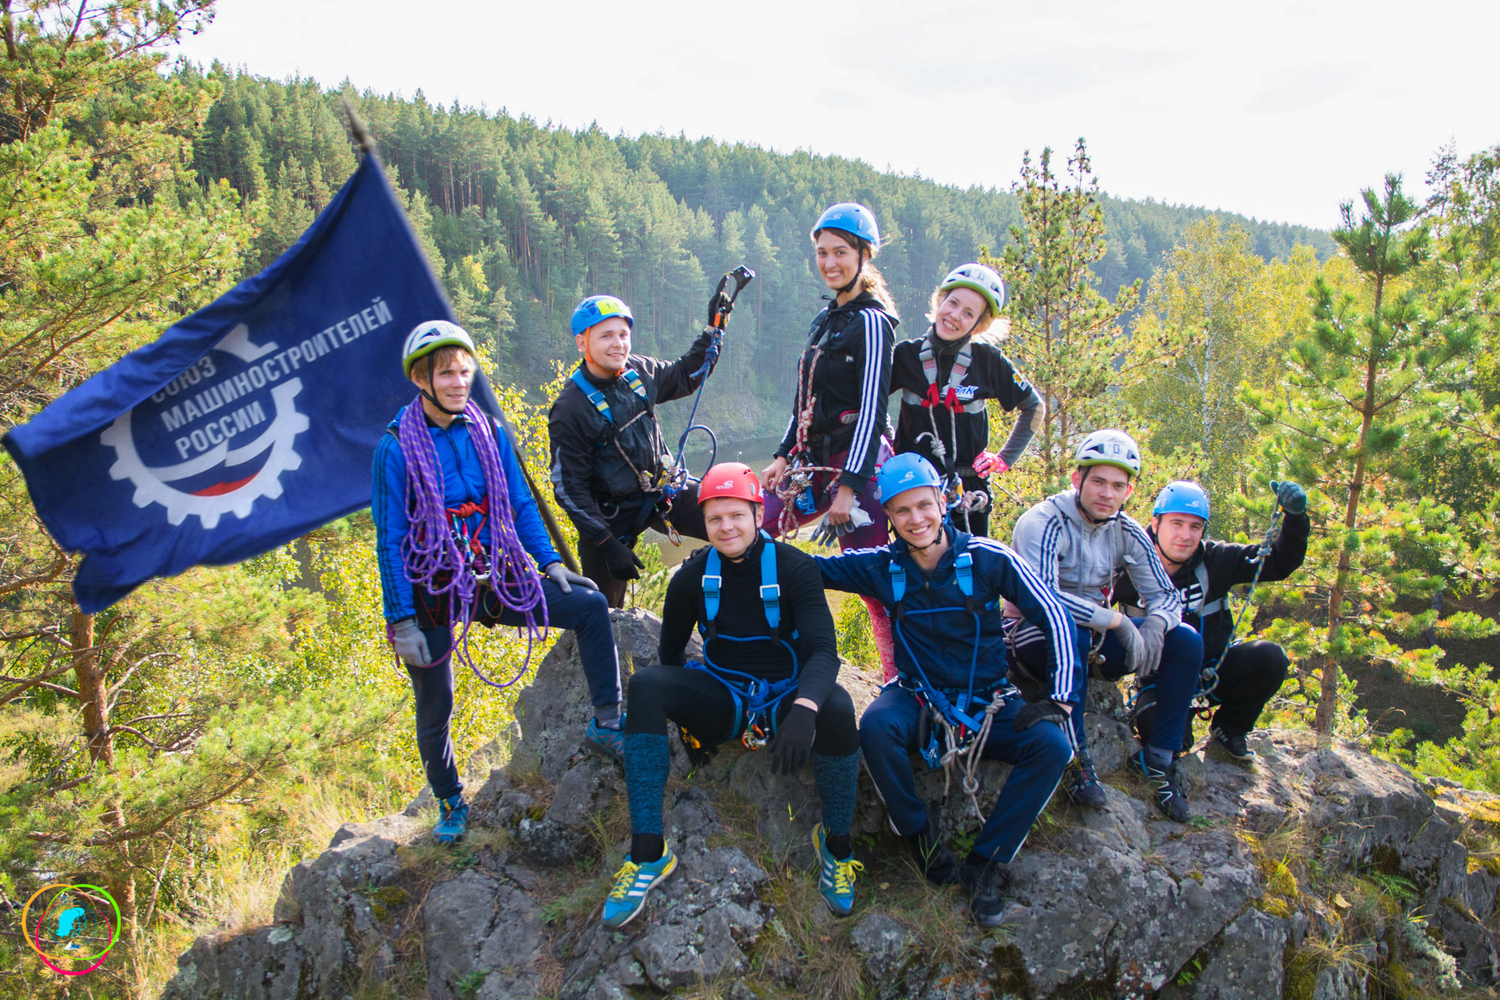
pixel 836 880
pixel 632 882
pixel 453 821
pixel 606 741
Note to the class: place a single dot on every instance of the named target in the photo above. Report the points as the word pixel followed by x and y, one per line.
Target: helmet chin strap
pixel 427 394
pixel 941 536
pixel 1078 502
pixel 846 289
pixel 433 400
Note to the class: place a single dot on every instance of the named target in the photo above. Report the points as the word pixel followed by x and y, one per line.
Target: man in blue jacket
pixel 943 589
pixel 442 535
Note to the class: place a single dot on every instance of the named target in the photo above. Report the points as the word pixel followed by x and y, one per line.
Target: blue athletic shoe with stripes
pixel 453 820
pixel 606 741
pixel 835 877
pixel 632 882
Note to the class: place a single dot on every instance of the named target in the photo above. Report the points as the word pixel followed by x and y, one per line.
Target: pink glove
pixel 987 463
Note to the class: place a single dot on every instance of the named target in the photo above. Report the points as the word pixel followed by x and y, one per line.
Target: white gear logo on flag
pixel 152 483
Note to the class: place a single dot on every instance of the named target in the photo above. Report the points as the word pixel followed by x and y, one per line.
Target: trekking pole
pixel 723 305
pixel 366 144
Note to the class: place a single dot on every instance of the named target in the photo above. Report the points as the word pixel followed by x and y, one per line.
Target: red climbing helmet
pixel 730 479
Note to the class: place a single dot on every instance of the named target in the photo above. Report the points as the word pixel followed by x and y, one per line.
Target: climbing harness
pixel 953 397
pixel 467 540
pixel 1208 680
pixel 649 483
pixel 795 488
pixel 963 718
pixel 755 698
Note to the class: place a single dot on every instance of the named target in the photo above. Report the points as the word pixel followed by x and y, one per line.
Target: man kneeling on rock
pixel 943 588
pixel 1238 677
pixel 768 676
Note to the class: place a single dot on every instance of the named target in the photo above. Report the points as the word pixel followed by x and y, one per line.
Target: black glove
pixel 698 752
pixel 566 579
pixel 1291 497
pixel 793 741
pixel 622 562
pixel 1039 711
pixel 718 304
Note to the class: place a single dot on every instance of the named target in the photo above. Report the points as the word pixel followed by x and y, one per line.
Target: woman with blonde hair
pixel 946 379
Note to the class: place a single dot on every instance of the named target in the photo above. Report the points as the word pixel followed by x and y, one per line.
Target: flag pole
pixel 366 145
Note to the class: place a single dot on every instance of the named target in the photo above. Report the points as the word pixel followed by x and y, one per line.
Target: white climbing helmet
pixel 981 279
pixel 1109 447
pixel 429 336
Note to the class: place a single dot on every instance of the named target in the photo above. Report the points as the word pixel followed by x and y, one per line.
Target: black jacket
pixel 851 382
pixel 990 376
pixel 1225 565
pixel 804 610
pixel 587 468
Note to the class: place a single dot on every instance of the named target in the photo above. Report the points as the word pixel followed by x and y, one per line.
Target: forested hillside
pixel 525 219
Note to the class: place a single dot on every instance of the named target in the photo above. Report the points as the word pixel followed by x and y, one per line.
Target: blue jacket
pixel 463 482
pixel 943 643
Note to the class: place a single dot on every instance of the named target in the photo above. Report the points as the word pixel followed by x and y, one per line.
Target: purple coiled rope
pixel 432 554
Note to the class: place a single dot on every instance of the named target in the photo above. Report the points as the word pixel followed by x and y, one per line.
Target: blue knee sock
pixel 837 779
pixel 647 762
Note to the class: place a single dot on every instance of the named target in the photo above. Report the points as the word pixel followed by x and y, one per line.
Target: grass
pixel 252 855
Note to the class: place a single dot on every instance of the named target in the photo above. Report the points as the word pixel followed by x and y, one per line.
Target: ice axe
pixel 723 305
pixel 719 308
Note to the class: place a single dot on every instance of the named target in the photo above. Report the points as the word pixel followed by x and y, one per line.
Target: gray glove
pixel 1153 633
pixel 828 533
pixel 410 644
pixel 1135 648
pixel 566 579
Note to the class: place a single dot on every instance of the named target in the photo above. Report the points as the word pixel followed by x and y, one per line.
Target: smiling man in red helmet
pixel 768 674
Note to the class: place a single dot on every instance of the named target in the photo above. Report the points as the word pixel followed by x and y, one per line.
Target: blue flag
pixel 250 422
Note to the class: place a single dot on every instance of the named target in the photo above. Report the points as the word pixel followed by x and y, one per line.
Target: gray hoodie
pixel 1078 559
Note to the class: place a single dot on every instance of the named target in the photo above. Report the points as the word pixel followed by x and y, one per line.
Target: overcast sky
pixel 1278 111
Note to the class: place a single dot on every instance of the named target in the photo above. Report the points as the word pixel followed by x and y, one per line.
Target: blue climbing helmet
pixel 903 472
pixel 596 309
pixel 850 217
pixel 1181 497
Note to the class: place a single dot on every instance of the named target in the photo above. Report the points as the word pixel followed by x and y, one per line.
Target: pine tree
pixel 1064 334
pixel 1364 393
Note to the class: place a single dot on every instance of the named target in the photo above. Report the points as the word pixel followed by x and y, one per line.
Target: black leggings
pixel 701 704
pixel 1250 674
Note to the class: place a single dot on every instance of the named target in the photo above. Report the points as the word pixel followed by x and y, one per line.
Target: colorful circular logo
pixel 72 926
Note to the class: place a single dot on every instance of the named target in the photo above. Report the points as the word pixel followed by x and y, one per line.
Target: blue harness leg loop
pixel 756 699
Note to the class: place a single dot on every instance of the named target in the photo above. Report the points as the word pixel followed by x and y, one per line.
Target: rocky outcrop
pixel 1308 875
